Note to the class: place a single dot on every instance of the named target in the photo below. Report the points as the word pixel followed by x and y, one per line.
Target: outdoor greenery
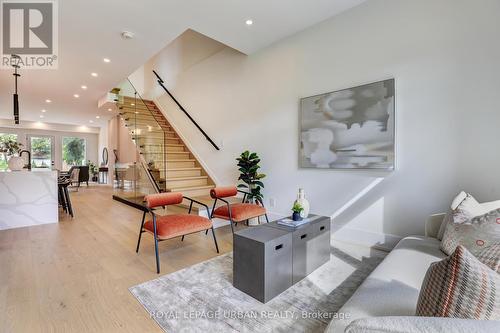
pixel 41 148
pixel 248 165
pixel 73 151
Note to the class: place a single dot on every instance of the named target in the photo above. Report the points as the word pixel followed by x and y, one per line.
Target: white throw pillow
pixel 467 209
pixel 449 214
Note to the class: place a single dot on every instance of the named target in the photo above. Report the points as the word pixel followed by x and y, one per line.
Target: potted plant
pixel 297 209
pixel 11 149
pixel 248 165
pixel 93 170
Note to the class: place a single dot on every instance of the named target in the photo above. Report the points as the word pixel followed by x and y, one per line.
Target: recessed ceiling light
pixel 132 104
pixel 48 101
pixel 248 22
pixel 44 110
pixel 106 60
pixel 91 121
pixel 94 74
pixel 76 95
pixel 97 117
pixel 41 116
pixel 110 109
pixel 136 112
pixel 84 87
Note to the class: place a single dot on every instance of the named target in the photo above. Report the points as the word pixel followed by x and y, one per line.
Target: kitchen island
pixel 28 198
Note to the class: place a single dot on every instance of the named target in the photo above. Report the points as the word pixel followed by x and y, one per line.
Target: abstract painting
pixel 349 129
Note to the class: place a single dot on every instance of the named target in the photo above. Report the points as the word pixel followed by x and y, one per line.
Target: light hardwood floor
pixel 74 276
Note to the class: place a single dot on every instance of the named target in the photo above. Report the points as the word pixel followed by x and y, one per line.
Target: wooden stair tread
pixel 187 188
pixel 187 178
pixel 183 169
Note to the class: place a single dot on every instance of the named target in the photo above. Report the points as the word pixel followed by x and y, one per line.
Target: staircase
pixel 171 165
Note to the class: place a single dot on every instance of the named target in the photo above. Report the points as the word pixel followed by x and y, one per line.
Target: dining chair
pixel 164 227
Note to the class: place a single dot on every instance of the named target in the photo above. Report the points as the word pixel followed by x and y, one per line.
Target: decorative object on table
pixel 12 150
pixel 460 286
pixel 297 209
pixel 349 129
pixel 94 171
pixel 301 199
pixel 294 224
pixel 248 165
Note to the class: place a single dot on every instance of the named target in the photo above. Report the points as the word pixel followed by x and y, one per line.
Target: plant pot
pixel 16 163
pixel 296 217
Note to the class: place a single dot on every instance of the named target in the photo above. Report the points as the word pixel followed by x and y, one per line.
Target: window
pixel 3 156
pixel 73 152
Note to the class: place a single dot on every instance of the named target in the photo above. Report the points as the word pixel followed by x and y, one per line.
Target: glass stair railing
pixel 163 162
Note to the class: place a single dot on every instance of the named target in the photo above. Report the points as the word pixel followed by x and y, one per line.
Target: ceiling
pixel 90 31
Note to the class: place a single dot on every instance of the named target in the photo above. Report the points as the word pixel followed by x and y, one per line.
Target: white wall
pixel 58 132
pixel 444 56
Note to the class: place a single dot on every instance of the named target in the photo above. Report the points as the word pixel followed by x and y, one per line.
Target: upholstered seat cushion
pixel 170 226
pixel 240 211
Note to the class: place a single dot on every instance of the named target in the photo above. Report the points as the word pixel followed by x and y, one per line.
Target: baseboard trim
pixel 366 238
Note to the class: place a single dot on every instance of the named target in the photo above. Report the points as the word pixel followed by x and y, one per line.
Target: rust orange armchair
pixel 171 226
pixel 235 212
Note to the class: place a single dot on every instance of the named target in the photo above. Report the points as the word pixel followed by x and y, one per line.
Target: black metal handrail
pixel 160 82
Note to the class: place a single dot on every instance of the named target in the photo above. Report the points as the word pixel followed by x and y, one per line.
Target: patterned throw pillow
pixel 475 234
pixel 490 256
pixel 460 286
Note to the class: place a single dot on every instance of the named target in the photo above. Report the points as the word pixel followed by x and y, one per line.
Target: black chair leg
pixel 140 232
pixel 206 232
pixel 68 201
pixel 215 240
pixel 63 201
pixel 156 245
pixel 232 228
pixel 267 219
pixel 182 239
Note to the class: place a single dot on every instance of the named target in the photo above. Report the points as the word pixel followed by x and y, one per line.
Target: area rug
pixel 201 298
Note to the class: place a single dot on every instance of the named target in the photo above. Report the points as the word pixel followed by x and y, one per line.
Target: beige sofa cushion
pixel 393 287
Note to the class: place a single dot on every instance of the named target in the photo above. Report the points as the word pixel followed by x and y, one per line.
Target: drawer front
pixel 278 266
pixel 320 251
pixel 302 246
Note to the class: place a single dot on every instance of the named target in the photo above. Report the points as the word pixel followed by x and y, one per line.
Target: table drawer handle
pixel 278 247
pixel 303 236
pixel 322 228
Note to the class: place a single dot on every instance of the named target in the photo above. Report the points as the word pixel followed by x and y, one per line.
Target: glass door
pixel 42 150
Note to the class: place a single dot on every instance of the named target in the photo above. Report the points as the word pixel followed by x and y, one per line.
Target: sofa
pixel 386 301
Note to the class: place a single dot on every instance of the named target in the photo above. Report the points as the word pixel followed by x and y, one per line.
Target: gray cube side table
pixel 262 262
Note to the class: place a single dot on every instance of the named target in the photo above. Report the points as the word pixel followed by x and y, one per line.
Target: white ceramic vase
pixel 16 163
pixel 301 199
